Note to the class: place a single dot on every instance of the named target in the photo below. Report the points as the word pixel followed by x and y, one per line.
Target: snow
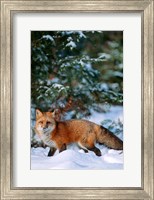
pixel 115 113
pixel 48 37
pixel 59 87
pixel 81 34
pixel 75 158
pixel 56 85
pixel 105 55
pixel 71 44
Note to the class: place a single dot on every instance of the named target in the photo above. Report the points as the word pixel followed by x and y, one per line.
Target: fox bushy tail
pixel 107 138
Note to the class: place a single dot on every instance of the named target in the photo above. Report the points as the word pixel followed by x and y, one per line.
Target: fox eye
pixel 41 122
pixel 48 122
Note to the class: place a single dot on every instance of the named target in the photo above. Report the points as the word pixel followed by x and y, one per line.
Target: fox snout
pixel 45 126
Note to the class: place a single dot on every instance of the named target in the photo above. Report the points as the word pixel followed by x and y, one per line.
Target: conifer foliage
pixel 76 71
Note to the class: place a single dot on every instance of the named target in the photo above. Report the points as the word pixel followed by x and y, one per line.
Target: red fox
pixel 57 135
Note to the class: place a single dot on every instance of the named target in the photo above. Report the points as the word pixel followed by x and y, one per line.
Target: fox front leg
pixel 52 151
pixel 62 148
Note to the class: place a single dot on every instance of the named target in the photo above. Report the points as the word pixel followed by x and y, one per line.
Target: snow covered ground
pixel 75 158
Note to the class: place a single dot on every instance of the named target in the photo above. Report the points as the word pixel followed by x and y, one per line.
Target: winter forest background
pixel 80 75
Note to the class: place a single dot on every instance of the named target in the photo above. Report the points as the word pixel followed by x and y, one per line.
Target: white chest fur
pixel 45 136
pixel 47 140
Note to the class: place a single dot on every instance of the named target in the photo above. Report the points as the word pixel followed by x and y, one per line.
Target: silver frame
pixel 145 7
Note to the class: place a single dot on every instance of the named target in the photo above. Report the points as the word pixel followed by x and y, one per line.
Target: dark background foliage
pixel 76 71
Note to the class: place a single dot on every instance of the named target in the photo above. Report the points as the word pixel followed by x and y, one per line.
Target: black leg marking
pixel 96 151
pixel 52 151
pixel 85 150
pixel 63 148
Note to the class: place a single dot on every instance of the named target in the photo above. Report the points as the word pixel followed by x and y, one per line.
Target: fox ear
pixel 38 113
pixel 51 114
pixel 54 113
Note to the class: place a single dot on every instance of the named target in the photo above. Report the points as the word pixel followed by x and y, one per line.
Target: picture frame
pixel 8 9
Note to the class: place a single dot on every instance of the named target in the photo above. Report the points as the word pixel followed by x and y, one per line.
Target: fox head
pixel 45 122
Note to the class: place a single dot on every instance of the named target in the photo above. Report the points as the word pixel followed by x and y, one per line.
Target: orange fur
pixel 58 134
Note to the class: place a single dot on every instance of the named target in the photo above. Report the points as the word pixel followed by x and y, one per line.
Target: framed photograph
pixel 77 100
pixel 75 96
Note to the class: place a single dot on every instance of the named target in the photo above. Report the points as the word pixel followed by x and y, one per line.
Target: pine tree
pixel 67 77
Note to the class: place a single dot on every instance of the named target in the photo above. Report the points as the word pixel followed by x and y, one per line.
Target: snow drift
pixel 75 158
